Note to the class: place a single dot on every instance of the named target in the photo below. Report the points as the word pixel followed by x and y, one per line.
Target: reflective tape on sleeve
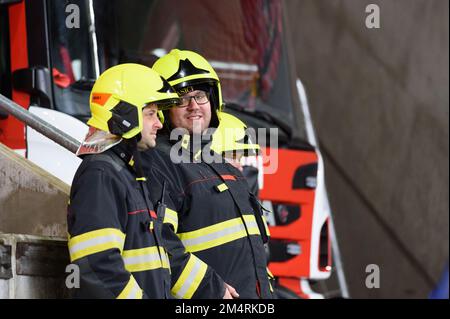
pixel 94 242
pixel 171 217
pixel 131 290
pixel 145 259
pixel 190 278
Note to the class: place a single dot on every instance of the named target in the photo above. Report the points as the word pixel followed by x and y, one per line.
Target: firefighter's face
pixel 194 117
pixel 151 124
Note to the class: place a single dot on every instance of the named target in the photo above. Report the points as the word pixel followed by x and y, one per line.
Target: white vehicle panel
pixel 47 154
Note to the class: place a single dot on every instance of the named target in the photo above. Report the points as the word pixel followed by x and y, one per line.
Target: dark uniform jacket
pixel 114 237
pixel 219 235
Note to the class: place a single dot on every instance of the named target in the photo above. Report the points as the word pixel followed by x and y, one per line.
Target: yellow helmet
pixel 184 69
pixel 231 135
pixel 121 92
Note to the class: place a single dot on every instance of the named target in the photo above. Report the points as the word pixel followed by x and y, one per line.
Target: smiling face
pixel 194 117
pixel 150 125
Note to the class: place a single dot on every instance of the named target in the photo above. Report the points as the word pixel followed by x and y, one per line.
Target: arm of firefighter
pixel 191 278
pixel 96 236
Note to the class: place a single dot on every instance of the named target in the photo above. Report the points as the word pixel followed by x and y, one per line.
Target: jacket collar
pixel 124 150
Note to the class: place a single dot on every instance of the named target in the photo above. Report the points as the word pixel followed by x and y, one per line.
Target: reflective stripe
pixel 222 187
pixel 265 225
pixel 166 258
pixel 185 141
pixel 171 217
pixel 94 242
pixel 131 290
pixel 271 277
pixel 190 278
pixel 197 155
pixel 144 259
pixel 219 234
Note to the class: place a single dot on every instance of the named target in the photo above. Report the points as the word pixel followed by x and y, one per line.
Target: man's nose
pixel 158 125
pixel 192 104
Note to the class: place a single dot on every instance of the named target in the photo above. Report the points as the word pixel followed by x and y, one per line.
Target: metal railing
pixel 38 124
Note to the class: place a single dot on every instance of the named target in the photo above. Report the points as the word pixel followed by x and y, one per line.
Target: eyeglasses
pixel 200 98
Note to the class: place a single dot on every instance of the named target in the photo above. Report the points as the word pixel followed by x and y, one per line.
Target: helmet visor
pixel 166 104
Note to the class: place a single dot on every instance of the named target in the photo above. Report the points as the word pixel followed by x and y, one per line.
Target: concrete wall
pixel 380 103
pixel 32 201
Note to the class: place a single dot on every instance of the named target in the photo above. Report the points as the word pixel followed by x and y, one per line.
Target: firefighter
pixel 233 140
pixel 114 232
pixel 218 250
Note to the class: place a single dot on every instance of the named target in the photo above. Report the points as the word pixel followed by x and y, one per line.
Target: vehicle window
pixel 243 40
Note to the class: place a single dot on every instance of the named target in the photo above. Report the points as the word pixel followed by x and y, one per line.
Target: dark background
pixel 380 105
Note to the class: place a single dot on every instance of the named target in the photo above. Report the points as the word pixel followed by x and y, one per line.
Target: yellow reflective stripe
pixel 94 242
pixel 270 273
pixel 197 155
pixel 131 290
pixel 185 141
pixel 217 227
pixel 143 179
pixel 271 277
pixel 166 257
pixel 171 217
pixel 265 225
pixel 190 278
pixel 222 187
pixel 145 259
pixel 219 234
pixel 250 221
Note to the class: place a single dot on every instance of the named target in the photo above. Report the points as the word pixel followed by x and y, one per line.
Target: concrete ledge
pixel 32 201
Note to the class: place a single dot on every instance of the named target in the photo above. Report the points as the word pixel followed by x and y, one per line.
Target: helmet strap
pixel 214 108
